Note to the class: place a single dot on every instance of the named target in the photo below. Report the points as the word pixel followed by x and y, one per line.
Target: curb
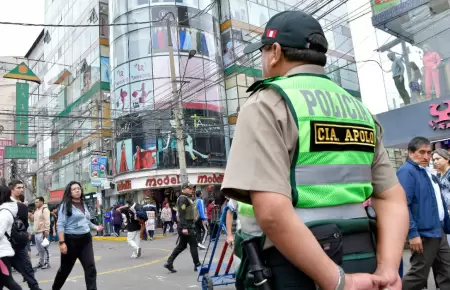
pixel 120 239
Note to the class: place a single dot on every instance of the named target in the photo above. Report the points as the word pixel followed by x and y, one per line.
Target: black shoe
pixel 38 266
pixel 170 267
pixel 197 266
pixel 139 252
pixel 46 266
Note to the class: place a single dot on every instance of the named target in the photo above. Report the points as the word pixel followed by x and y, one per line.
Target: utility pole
pixel 178 110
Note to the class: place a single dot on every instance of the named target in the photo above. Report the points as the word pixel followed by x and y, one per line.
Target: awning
pixel 56 196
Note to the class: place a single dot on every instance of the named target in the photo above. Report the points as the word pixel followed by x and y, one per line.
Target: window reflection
pixel 139 44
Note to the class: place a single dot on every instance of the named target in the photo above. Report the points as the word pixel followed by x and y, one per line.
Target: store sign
pixel 441 115
pixel 210 178
pixel 124 185
pixel 5 142
pixel 98 170
pixel 174 180
pixel 140 69
pixel 121 76
pixel 168 180
pixel 394 10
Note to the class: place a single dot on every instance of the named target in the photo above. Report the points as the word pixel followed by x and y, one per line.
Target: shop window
pixel 118 30
pixel 118 7
pixel 133 4
pixel 232 100
pixel 121 101
pixel 141 15
pixel 161 67
pixel 139 44
pixel 120 50
pixel 238 10
pixel 190 3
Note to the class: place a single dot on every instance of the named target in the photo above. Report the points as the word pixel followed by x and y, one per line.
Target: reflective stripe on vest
pixel 337 138
pixel 249 225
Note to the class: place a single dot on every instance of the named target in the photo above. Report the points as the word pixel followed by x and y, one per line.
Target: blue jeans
pixel 108 229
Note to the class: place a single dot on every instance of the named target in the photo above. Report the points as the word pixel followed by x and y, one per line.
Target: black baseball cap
pixel 187 185
pixel 290 29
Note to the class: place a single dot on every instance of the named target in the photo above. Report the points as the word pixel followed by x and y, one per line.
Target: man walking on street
pixel 42 230
pixel 427 217
pixel 201 224
pixel 21 260
pixel 187 214
pixel 133 227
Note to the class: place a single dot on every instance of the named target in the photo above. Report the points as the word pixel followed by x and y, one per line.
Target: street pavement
pixel 116 270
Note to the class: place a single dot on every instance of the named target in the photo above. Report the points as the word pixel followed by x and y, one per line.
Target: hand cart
pixel 209 274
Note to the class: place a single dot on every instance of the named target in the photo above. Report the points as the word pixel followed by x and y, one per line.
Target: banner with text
pixel 22 95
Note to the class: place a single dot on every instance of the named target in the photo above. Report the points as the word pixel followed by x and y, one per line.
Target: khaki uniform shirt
pixel 264 142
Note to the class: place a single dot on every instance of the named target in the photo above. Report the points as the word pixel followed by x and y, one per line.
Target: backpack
pixel 141 214
pixel 19 233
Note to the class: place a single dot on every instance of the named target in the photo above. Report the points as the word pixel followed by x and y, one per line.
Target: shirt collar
pixel 306 68
pixel 13 199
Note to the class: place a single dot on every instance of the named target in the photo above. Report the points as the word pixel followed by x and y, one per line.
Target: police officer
pixel 187 215
pixel 305 152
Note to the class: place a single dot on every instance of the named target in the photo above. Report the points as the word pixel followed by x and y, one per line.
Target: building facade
pixel 7 103
pixel 71 109
pixel 410 96
pixel 212 83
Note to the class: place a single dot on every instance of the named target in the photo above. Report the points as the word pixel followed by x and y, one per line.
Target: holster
pixel 349 243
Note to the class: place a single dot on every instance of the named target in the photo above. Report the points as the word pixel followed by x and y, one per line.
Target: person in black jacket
pixel 21 261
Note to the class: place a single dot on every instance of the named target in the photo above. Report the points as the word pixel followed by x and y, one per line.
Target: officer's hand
pixel 415 245
pixel 365 282
pixel 394 280
pixel 185 232
pixel 230 240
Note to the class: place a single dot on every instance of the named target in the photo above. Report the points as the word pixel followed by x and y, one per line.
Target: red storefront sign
pixel 168 180
pixel 210 178
pixel 441 115
pixel 124 185
pixel 56 196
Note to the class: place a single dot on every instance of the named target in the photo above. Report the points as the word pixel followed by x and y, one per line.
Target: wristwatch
pixel 341 281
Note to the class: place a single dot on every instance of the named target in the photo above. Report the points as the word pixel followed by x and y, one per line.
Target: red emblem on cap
pixel 271 33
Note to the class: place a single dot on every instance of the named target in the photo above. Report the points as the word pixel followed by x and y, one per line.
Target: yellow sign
pixel 332 136
pixel 22 72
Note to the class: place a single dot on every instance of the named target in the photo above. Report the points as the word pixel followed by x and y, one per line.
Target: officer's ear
pixel 276 54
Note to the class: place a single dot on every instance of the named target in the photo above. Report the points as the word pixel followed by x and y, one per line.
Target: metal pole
pixel 178 111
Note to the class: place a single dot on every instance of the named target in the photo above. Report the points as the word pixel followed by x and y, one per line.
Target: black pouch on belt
pixel 330 239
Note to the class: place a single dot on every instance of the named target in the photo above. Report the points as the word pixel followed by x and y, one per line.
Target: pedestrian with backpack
pixel 21 259
pixel 75 239
pixel 8 214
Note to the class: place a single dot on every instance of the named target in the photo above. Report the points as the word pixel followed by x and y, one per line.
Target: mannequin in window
pixel 415 85
pixel 398 71
pixel 431 62
pixel 182 37
pixel 187 40
pixel 123 159
pixel 189 147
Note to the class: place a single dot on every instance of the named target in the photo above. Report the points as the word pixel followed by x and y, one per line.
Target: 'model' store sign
pixel 174 180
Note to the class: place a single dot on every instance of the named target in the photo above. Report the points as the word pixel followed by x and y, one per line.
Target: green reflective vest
pixel 331 167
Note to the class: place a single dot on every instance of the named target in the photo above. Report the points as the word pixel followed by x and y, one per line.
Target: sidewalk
pixel 123 237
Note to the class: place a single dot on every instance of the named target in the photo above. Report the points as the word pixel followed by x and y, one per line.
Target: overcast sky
pixel 17 40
